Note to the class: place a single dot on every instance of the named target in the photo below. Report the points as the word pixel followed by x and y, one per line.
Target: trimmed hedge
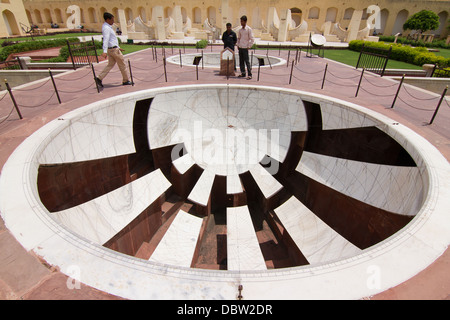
pixel 416 43
pixel 201 44
pixel 33 45
pixel 417 56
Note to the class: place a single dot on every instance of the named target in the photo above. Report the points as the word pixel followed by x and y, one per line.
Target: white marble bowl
pixel 72 240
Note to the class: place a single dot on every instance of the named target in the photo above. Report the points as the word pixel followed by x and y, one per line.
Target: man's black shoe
pixel 127 83
pixel 99 82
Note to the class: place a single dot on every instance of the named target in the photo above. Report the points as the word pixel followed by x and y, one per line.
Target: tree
pixel 422 21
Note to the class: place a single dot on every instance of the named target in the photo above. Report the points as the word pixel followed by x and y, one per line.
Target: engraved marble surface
pixel 316 240
pixel 265 181
pixel 98 133
pixel 202 189
pixel 243 250
pixel 226 130
pixel 398 258
pixel 102 218
pixel 393 188
pixel 178 244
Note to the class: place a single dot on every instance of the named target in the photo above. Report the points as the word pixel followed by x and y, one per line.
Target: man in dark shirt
pixel 229 38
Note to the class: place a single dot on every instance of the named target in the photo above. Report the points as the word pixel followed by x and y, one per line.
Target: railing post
pixel 71 54
pixel 165 71
pixel 95 78
pixel 131 73
pixel 359 58
pixel 360 80
pixel 95 49
pixel 292 69
pixel 439 104
pixel 270 64
pixel 12 98
pixel 259 70
pixel 181 60
pixel 324 75
pixel 54 85
pixel 398 91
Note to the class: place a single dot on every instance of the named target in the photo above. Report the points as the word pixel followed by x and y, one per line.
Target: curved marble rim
pixel 376 269
pixel 170 60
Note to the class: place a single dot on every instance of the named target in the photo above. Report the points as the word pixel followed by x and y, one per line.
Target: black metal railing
pixel 374 59
pixel 82 53
pixel 440 72
pixel 13 64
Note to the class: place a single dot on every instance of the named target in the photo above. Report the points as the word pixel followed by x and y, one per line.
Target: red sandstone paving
pixel 39 105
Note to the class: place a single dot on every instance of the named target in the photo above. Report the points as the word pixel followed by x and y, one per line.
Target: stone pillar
pixel 176 15
pixel 224 15
pixel 158 21
pixel 123 22
pixel 285 21
pixel 353 27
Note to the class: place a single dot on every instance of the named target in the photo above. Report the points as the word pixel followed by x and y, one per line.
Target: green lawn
pixel 351 58
pixel 443 52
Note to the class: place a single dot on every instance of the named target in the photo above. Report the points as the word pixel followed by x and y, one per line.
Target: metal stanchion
pixel 181 60
pixel 439 104
pixel 131 73
pixel 54 85
pixel 12 98
pixel 165 71
pixel 292 69
pixel 398 91
pixel 324 75
pixel 95 78
pixel 360 80
pixel 289 56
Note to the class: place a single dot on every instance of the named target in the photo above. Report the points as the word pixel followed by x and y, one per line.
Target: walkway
pixel 24 276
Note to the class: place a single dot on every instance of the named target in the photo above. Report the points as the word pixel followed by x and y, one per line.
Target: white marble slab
pixel 226 129
pixel 243 250
pixel 177 247
pixel 102 218
pixel 337 116
pixel 183 163
pixel 265 181
pixel 202 189
pixel 98 133
pixel 234 184
pixel 393 188
pixel 316 240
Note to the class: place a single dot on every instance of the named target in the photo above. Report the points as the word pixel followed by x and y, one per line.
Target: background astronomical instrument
pixel 316 41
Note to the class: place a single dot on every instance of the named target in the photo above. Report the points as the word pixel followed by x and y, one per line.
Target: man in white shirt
pixel 245 41
pixel 111 51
